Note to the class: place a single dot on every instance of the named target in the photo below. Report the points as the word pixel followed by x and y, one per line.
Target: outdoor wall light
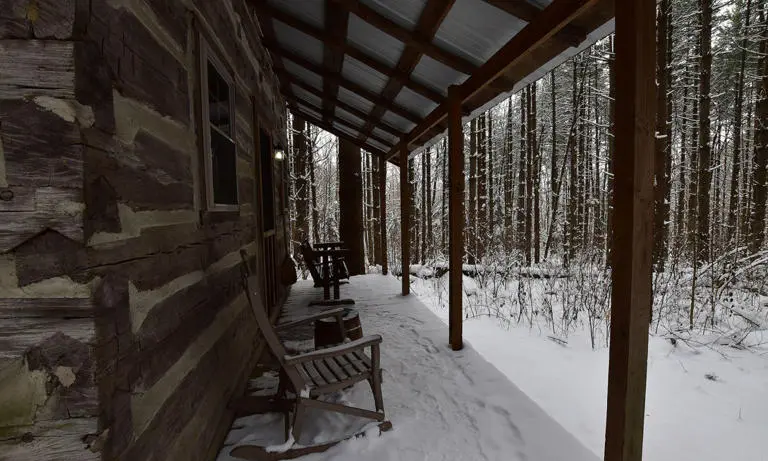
pixel 279 153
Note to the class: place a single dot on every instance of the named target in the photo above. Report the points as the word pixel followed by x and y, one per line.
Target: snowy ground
pixel 444 405
pixel 703 403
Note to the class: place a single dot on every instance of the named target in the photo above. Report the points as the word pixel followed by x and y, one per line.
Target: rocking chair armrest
pixel 371 340
pixel 336 312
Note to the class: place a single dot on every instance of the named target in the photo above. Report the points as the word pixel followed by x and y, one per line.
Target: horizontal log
pixel 205 378
pixel 147 176
pixel 17 198
pixel 20 334
pixel 143 69
pixel 55 308
pixel 41 148
pixel 56 209
pixel 51 440
pixel 37 67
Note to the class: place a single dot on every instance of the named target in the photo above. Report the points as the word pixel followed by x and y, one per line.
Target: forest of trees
pixel 538 164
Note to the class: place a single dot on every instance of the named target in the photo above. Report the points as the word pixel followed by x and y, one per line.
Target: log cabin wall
pixel 124 330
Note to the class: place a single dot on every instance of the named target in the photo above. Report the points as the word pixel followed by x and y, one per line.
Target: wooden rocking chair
pixel 326 265
pixel 304 378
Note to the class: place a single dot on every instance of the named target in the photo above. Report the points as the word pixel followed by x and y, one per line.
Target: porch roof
pixel 377 72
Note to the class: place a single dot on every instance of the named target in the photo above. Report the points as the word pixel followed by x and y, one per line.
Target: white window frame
pixel 208 56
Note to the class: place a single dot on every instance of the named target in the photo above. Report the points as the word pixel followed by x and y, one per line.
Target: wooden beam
pixel 383 212
pixel 632 244
pixel 339 120
pixel 455 218
pixel 331 129
pixel 551 20
pixel 336 21
pixel 528 12
pixel 346 48
pixel 351 86
pixel 431 17
pixel 291 79
pixel 422 44
pixel 405 222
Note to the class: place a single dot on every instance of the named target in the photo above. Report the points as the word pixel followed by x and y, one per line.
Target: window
pixel 218 133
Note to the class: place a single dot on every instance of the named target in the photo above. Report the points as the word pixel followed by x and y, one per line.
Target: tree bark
pixel 351 226
pixel 760 162
pixel 662 154
pixel 705 148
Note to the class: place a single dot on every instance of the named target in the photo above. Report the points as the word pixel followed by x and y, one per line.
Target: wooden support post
pixel 631 292
pixel 383 212
pixel 455 218
pixel 405 220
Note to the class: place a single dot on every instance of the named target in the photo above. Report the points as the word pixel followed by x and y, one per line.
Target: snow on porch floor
pixel 444 405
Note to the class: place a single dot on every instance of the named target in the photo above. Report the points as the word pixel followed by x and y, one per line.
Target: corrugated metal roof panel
pixel 299 42
pixel 414 101
pixel 307 76
pixel 378 145
pixel 475 30
pixel 397 121
pixel 311 11
pixel 363 75
pixel 355 100
pixel 383 134
pixel 346 130
pixel 357 121
pixel 403 12
pixel 375 42
pixel 436 74
pixel 307 96
pixel 308 110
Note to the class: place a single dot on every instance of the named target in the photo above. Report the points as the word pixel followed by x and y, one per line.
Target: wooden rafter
pixel 292 80
pixel 413 39
pixel 275 48
pixel 551 20
pixel 336 132
pixel 429 22
pixel 336 21
pixel 526 11
pixel 339 120
pixel 346 48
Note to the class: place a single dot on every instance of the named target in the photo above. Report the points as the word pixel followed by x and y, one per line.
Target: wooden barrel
pixel 327 330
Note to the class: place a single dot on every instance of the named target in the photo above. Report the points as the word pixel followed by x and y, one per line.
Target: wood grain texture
pixel 142 69
pixel 173 324
pixel 51 441
pixel 41 148
pixel 17 199
pixel 147 175
pixel 37 67
pixel 56 210
pixel 632 243
pixel 232 351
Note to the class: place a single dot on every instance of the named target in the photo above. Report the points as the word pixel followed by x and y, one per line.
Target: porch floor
pixel 444 405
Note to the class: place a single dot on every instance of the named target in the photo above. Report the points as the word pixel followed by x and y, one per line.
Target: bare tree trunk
pixel 760 164
pixel 536 176
pixel 528 178
pixel 482 188
pixel 313 189
pixel 705 148
pixel 611 147
pixel 662 153
pixel 509 178
pixel 302 190
pixel 734 202
pixel 471 234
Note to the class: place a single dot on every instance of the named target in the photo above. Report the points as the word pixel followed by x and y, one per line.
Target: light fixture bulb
pixel 279 154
